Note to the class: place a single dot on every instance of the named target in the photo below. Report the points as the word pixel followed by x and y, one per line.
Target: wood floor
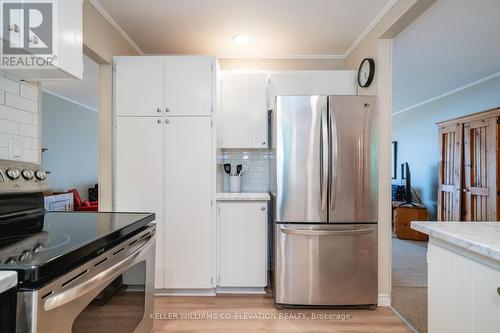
pixel 252 314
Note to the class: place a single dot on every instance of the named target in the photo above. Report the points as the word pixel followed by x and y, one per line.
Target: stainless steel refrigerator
pixel 325 198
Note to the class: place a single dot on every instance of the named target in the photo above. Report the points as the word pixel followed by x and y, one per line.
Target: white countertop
pixel 243 196
pixel 479 237
pixel 8 279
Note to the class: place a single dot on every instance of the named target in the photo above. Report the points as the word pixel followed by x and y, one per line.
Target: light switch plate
pixel 15 149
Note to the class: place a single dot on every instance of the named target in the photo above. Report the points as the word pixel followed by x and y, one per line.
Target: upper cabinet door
pixel 338 82
pixel 288 83
pixel 138 84
pixel 243 110
pixel 188 85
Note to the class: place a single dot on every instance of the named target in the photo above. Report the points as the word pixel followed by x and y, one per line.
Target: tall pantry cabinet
pixel 164 160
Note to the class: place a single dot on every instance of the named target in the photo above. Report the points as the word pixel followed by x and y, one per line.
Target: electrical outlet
pixel 15 149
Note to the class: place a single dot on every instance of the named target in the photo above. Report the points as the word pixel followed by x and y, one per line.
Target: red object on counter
pixel 83 205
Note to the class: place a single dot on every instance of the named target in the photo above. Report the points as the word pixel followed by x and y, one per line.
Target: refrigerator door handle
pixel 323 163
pixel 313 232
pixel 333 162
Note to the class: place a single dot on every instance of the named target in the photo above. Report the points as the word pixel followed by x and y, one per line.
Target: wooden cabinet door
pixel 138 177
pixel 242 244
pixel 188 85
pixel 480 170
pixel 449 173
pixel 138 86
pixel 189 232
pixel 243 106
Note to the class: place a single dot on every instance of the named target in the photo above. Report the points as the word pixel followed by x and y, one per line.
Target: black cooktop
pixel 64 241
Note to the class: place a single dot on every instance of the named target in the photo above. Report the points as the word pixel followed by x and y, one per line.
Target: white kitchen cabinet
pixel 138 86
pixel 242 244
pixel 138 175
pixel 188 85
pixel 67 17
pixel 188 196
pixel 163 85
pixel 462 295
pixel 288 83
pixel 334 82
pixel 320 82
pixel 165 162
pixel 243 105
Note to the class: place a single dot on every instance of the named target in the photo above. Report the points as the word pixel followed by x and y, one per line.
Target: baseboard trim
pixel 384 300
pixel 241 290
pixel 185 292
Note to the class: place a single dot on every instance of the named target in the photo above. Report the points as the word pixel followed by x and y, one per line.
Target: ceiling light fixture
pixel 241 39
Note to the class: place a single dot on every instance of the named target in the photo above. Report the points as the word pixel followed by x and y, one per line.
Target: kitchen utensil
pixel 238 169
pixel 227 168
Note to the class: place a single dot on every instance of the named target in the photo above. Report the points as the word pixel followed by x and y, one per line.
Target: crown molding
pixel 370 27
pixel 451 92
pixel 290 57
pixel 69 100
pixel 115 25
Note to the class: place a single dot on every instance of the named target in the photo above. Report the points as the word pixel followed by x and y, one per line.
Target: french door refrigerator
pixel 325 199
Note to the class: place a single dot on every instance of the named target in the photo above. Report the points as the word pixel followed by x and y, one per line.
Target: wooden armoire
pixel 468 179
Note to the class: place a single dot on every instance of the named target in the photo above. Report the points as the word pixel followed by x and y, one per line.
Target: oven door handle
pixel 81 289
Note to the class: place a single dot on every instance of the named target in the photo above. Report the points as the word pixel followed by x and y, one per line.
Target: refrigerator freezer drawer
pixel 326 265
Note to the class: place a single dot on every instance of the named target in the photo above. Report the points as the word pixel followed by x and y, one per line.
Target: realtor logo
pixel 27 28
pixel 29 34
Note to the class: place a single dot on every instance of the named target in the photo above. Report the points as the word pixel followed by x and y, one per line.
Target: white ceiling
pixel 453 44
pixel 278 28
pixel 84 92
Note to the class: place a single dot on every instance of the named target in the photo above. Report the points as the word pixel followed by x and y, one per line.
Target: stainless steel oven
pixel 111 293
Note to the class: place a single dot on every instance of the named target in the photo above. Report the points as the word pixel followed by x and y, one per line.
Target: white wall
pixel 19 119
pixel 417 135
pixel 70 135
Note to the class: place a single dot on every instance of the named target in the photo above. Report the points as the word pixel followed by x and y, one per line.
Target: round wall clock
pixel 366 72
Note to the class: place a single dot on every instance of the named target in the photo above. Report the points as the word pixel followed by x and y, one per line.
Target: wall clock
pixel 366 72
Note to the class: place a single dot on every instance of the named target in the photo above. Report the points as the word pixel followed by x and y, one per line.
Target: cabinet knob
pixel 158 110
pixel 167 110
pixel 167 121
pixel 264 143
pixel 159 121
pixel 262 208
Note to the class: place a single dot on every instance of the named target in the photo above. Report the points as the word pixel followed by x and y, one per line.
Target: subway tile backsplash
pixel 258 164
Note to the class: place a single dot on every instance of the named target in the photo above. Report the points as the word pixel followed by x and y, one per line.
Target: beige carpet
pixel 409 282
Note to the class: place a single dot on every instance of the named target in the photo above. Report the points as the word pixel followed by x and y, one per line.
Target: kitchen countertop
pixel 478 237
pixel 243 196
pixel 8 279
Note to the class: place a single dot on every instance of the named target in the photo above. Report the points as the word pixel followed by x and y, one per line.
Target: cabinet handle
pixel 498 291
pixel 262 208
pixel 158 110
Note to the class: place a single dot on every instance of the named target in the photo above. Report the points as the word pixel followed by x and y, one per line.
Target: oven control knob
pixel 13 173
pixel 11 261
pixel 39 248
pixel 40 175
pixel 27 174
pixel 25 256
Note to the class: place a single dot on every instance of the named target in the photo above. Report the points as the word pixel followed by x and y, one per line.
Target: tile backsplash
pixel 19 120
pixel 258 164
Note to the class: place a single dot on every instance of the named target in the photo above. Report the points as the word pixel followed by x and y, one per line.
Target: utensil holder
pixel 234 184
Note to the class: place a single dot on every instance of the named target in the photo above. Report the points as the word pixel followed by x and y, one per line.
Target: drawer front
pixel 326 265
